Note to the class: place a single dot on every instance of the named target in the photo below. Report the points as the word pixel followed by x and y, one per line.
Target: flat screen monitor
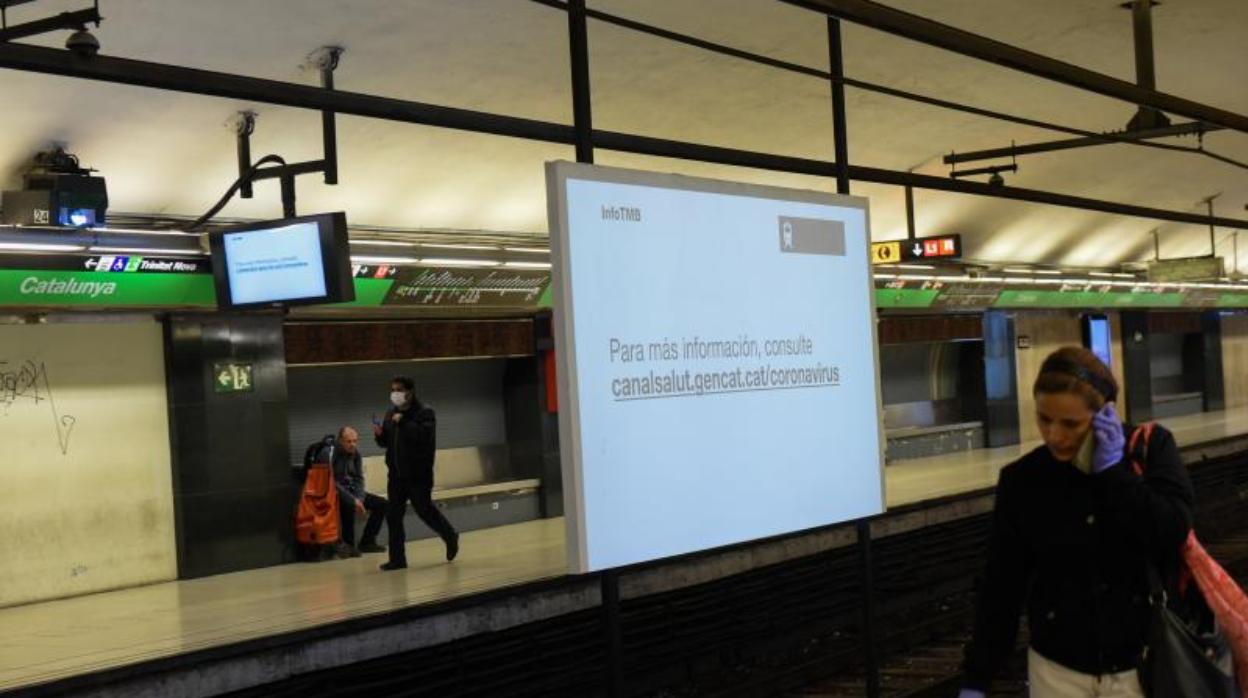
pixel 293 261
pixel 1096 337
pixel 717 362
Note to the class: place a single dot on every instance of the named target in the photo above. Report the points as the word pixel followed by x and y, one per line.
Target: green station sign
pixel 150 282
pixel 105 281
pixel 913 294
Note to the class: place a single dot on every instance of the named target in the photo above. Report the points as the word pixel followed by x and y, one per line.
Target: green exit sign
pixel 232 377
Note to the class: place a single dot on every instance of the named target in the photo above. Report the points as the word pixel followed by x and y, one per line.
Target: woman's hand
pixel 1110 441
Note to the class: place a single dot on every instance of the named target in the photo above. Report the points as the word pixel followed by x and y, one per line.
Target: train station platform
pixel 236 631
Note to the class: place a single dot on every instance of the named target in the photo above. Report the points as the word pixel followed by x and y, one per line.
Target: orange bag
pixel 316 520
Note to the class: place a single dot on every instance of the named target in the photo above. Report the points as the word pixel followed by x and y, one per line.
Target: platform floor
pixel 51 640
pixel 920 479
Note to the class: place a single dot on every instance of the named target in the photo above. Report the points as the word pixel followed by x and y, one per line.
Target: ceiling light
pixel 1017 270
pixel 913 266
pixel 458 247
pixel 449 262
pixel 147 251
pixel 369 259
pixel 136 231
pixel 39 247
pixel 1123 276
pixel 1052 272
pixel 527 265
pixel 528 250
pixel 1100 273
pixel 383 243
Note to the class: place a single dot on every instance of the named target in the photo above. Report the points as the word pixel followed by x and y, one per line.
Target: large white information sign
pixel 717 362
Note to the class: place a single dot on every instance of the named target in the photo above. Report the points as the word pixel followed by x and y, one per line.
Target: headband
pixel 1070 368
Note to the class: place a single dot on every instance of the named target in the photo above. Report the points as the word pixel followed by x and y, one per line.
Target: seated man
pixel 352 499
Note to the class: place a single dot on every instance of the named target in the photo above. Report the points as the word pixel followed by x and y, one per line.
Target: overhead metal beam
pixel 924 30
pixel 261 91
pixel 645 145
pixel 65 20
pixel 125 71
pixel 1186 129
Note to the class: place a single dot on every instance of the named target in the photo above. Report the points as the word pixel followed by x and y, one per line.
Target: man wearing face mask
pixel 408 435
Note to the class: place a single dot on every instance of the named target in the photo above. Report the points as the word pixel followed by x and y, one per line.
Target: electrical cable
pixel 881 89
pixel 229 194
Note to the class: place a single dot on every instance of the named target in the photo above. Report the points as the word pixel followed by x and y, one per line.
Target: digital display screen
pixel 1096 335
pixel 718 362
pixel 294 261
pixel 279 264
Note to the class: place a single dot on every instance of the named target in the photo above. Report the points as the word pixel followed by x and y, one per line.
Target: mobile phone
pixel 1083 458
pixel 376 422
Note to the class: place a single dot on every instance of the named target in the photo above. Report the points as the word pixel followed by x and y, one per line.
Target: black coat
pixel 410 443
pixel 1073 548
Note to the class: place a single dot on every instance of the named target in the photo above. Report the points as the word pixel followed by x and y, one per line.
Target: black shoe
pixel 392 565
pixel 371 547
pixel 452 547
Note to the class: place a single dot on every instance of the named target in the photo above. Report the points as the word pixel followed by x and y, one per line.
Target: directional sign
pixel 939 247
pixel 232 378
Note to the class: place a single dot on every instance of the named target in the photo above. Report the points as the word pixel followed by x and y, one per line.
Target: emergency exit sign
pixel 232 377
pixel 937 247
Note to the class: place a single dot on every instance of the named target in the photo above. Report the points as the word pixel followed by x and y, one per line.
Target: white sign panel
pixel 717 362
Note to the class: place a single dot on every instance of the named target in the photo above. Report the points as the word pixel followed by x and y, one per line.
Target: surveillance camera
pixel 83 43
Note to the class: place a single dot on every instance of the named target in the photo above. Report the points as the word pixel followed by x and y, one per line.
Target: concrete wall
pixel 1048 331
pixel 1235 359
pixel 87 501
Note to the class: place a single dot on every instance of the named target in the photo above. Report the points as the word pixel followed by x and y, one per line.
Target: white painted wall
pixel 86 501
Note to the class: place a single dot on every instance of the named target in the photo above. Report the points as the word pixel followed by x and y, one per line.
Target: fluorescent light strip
pixel 527 265
pixel 148 251
pixel 136 231
pixel 528 250
pixel 1100 273
pixel 1051 272
pixel 441 246
pixel 369 259
pixel 1017 270
pixel 383 243
pixel 450 262
pixel 39 247
pixel 913 266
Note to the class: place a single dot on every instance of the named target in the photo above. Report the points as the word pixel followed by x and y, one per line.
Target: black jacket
pixel 410 443
pixel 1073 548
pixel 348 474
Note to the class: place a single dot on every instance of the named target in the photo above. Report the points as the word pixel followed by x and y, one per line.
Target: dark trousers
pixel 421 496
pixel 376 508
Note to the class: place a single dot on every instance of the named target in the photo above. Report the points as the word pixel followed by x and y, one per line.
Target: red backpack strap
pixel 1137 446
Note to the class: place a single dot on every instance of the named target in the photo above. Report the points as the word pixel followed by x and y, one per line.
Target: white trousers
pixel 1048 679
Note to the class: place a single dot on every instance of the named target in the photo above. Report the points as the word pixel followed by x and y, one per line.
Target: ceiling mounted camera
pixel 83 43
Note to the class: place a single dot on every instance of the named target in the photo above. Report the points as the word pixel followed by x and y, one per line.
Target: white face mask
pixel 398 398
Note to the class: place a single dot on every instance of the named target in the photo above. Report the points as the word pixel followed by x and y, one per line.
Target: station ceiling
pixel 170 153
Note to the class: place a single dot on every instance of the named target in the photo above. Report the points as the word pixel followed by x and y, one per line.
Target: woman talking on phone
pixel 1073 533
